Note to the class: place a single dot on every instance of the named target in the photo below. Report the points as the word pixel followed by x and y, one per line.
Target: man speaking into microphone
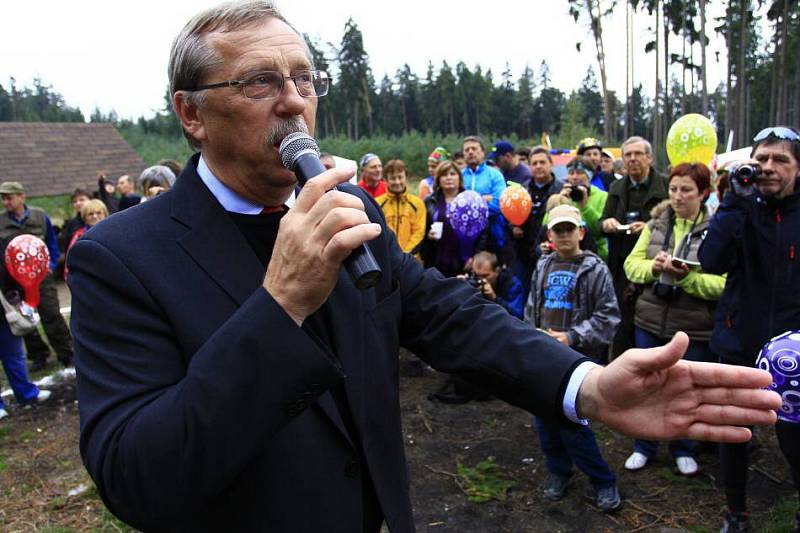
pixel 240 381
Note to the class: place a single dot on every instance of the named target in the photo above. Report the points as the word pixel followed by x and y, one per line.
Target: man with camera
pixel 590 201
pixel 754 237
pixel 496 283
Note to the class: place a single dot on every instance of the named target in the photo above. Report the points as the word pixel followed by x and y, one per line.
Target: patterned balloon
pixel 515 204
pixel 781 358
pixel 27 260
pixel 691 139
pixel 468 214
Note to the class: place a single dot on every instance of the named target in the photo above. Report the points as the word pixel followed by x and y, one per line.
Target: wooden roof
pixel 53 158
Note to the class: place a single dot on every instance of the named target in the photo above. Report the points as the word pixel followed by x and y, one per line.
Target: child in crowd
pixel 572 298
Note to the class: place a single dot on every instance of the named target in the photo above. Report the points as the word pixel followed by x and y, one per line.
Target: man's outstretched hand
pixel 653 394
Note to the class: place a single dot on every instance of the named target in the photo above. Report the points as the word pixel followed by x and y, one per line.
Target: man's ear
pixel 189 114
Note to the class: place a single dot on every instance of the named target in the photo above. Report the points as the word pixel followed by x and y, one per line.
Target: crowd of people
pixel 612 257
pixel 19 218
pixel 605 261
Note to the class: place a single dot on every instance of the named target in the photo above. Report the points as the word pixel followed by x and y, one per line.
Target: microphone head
pixel 295 145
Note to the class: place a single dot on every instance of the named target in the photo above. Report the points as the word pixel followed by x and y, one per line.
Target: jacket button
pixel 352 469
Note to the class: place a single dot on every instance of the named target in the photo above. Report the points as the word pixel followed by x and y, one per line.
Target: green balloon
pixel 691 139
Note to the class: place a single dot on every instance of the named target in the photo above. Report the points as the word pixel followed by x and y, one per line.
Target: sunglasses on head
pixel 780 132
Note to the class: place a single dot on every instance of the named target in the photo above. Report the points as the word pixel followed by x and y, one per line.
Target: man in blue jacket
pixel 240 381
pixel 755 238
pixel 490 184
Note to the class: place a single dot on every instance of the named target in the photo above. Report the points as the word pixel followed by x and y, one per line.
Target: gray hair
pixel 157 173
pixel 648 148
pixel 191 57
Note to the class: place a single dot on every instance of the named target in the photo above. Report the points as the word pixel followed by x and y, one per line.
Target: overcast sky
pixel 113 54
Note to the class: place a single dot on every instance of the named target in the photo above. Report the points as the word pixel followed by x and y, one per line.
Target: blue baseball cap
pixel 501 148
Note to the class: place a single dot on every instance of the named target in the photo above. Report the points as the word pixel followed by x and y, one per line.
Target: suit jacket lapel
pixel 212 239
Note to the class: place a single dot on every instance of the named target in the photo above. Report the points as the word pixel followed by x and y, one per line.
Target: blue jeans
pixel 13 358
pixel 564 445
pixel 697 351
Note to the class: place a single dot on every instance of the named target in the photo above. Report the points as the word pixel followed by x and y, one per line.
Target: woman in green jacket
pixel 677 295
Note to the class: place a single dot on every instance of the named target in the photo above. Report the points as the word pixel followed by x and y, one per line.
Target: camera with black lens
pixel 666 291
pixel 576 194
pixel 475 281
pixel 747 175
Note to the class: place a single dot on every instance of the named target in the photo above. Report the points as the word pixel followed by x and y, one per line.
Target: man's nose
pixel 289 102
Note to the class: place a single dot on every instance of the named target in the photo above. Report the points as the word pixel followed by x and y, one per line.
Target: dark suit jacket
pixel 205 408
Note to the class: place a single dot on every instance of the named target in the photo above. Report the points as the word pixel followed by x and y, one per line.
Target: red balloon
pixel 27 260
pixel 516 204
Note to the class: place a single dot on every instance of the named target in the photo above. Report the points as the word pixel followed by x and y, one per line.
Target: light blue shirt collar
pixel 229 199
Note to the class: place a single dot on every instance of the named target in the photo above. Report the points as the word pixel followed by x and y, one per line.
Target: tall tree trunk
pixel 656 108
pixel 356 120
pixel 685 60
pixel 703 55
pixel 783 88
pixel 626 132
pixel 741 80
pixel 367 106
pixel 597 32
pixel 667 100
pixel 773 86
pixel 729 107
pixel 797 92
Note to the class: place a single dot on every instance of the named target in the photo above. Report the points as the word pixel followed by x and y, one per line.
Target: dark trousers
pixel 55 327
pixel 624 337
pixel 567 445
pixel 733 459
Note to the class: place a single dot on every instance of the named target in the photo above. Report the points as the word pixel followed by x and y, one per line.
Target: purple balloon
pixel 468 214
pixel 781 358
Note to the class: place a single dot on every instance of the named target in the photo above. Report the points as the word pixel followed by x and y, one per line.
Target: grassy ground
pixel 474 468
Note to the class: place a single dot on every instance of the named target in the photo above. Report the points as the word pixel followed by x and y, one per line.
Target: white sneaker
pixel 3 414
pixel 686 465
pixel 636 461
pixel 43 396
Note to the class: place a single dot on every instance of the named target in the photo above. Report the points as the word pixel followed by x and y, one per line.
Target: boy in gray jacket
pixel 572 298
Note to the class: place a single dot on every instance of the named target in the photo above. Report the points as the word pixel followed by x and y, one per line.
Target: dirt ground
pixel 40 465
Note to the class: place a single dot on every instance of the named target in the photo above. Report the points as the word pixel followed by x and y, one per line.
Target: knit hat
pixel 438 155
pixel 580 167
pixel 364 161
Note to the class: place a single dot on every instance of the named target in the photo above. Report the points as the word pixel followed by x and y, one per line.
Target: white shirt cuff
pixel 574 385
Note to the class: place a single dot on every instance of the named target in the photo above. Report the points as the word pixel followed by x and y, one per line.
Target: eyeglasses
pixel 266 84
pixel 781 132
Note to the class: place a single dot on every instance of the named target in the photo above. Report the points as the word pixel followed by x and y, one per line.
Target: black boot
pixel 735 522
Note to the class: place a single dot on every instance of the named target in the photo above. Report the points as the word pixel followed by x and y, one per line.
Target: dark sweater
pixel 261 231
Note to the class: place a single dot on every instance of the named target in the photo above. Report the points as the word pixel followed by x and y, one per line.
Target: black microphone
pixel 300 154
